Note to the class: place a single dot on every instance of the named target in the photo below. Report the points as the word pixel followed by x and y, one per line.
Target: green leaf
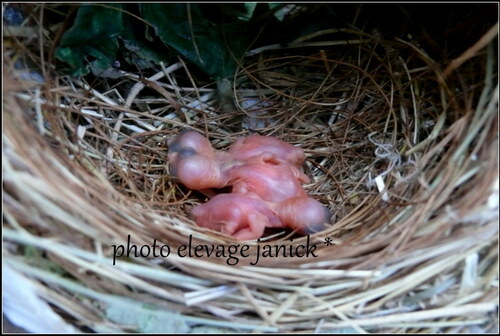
pixel 139 50
pixel 95 34
pixel 281 10
pixel 93 42
pixel 249 7
pixel 102 34
pixel 228 12
pixel 140 54
pixel 183 27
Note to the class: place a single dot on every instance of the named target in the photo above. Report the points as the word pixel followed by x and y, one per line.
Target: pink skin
pixel 199 166
pixel 265 176
pixel 277 184
pixel 195 162
pixel 303 214
pixel 193 140
pixel 254 145
pixel 241 216
pixel 245 216
pixel 272 181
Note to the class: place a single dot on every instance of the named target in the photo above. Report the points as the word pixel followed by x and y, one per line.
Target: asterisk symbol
pixel 328 241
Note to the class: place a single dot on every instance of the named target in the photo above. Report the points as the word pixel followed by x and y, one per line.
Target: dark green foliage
pixel 94 36
pixel 101 34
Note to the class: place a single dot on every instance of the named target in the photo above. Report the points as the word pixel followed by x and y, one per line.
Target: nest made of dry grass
pixel 403 151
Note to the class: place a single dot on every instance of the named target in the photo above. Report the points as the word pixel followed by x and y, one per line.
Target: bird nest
pixel 402 149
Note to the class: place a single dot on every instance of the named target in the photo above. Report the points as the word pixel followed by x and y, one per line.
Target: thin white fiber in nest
pixel 24 308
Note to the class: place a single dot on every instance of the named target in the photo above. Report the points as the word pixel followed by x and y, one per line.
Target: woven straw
pixel 402 149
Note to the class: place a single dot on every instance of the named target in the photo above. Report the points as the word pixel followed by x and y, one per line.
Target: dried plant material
pixel 404 155
pixel 25 308
pixel 146 319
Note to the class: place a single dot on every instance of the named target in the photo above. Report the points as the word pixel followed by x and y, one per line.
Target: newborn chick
pixel 193 140
pixel 275 183
pixel 270 179
pixel 199 166
pixel 265 176
pixel 245 216
pixel 303 214
pixel 241 216
pixel 195 162
pixel 254 145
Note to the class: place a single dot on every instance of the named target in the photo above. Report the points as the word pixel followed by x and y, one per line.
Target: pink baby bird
pixel 241 216
pixel 264 173
pixel 195 162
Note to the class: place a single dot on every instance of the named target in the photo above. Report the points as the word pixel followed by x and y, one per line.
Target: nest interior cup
pixel 399 127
